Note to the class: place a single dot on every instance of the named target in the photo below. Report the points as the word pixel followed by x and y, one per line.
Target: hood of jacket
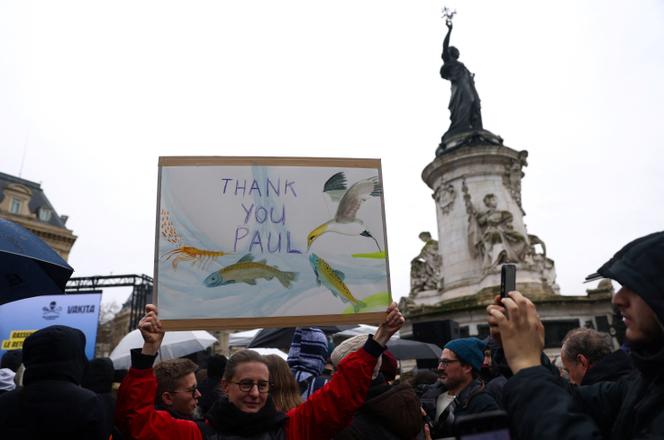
pixel 397 408
pixel 610 368
pixel 99 376
pixel 308 352
pixel 54 353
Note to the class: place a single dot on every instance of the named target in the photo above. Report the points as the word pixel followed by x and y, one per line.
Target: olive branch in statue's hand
pixel 448 14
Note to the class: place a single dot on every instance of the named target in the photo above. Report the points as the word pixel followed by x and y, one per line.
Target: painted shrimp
pixel 195 255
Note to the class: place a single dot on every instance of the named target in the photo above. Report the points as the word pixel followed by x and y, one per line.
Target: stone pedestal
pixel 477 190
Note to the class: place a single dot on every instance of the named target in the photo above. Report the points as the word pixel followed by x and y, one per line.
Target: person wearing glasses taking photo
pixel 247 410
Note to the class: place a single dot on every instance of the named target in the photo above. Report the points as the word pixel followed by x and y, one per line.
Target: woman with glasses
pixel 247 411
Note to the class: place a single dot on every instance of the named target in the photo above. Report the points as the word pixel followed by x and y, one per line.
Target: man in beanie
pixel 538 402
pixel 52 404
pixel 459 390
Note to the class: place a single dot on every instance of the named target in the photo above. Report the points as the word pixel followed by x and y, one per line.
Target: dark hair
pixel 12 359
pixel 424 377
pixel 169 372
pixel 592 344
pixel 241 357
pixel 285 391
pixel 216 365
pixel 473 372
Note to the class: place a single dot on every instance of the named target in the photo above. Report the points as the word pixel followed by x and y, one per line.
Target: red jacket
pixel 325 413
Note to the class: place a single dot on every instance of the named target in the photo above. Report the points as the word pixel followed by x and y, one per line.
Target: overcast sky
pixel 92 93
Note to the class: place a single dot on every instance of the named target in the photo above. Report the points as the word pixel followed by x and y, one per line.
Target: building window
pixel 15 207
pixel 44 214
pixel 555 331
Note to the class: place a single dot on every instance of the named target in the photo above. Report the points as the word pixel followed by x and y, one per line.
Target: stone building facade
pixel 24 202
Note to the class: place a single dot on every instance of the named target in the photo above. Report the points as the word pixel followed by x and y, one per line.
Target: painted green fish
pixel 333 280
pixel 246 270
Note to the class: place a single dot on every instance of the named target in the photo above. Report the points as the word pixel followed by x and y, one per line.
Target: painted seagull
pixel 345 221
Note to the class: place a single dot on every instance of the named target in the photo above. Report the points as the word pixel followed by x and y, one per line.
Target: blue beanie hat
pixel 469 350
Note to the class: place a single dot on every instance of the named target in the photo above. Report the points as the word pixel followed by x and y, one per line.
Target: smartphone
pixel 507 279
pixel 427 420
pixel 491 425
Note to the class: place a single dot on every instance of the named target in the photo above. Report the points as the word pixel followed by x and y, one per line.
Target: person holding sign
pixel 247 411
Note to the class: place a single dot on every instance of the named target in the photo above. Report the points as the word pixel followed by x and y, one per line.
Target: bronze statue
pixel 465 112
pixel 464 104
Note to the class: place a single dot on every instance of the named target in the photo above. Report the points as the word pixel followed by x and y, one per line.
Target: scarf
pixel 228 419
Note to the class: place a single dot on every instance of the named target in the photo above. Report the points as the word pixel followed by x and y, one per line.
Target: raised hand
pixel 151 330
pixel 494 330
pixel 394 320
pixel 521 331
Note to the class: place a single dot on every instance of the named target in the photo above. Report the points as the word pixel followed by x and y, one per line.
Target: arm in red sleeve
pixel 136 415
pixel 331 408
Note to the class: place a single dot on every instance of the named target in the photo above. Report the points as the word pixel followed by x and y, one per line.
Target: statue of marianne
pixel 464 104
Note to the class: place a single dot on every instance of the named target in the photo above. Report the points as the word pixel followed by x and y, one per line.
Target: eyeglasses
pixel 446 362
pixel 191 391
pixel 248 385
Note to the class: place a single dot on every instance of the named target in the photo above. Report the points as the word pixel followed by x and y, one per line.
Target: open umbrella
pixel 28 266
pixel 267 351
pixel 242 339
pixel 407 349
pixel 174 345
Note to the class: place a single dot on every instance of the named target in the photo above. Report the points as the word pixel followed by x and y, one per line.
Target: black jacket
pixel 610 368
pixel 52 404
pixel 390 413
pixel 471 400
pixel 210 393
pixel 541 406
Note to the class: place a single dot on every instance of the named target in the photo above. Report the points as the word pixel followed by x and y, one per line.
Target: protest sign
pixel 19 319
pixel 245 242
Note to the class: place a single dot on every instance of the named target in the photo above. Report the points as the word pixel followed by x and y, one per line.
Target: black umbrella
pixel 282 337
pixel 28 266
pixel 407 349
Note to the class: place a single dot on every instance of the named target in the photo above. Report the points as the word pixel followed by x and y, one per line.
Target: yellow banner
pixel 20 334
pixel 16 338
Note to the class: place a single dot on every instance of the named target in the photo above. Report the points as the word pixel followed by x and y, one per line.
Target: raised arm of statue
pixel 446 43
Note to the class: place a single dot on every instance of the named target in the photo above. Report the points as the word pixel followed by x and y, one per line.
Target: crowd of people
pixel 353 390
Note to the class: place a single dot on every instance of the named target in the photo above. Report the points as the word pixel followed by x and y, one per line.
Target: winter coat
pixel 610 368
pixel 51 403
pixel 321 417
pixel 471 400
pixel 542 406
pixel 390 412
pixel 210 393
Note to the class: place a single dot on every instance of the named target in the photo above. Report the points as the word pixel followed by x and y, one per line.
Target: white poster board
pixel 247 242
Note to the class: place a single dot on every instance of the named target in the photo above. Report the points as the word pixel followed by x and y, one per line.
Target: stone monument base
pixel 474 137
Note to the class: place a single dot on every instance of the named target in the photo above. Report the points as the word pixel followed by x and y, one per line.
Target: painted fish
pixel 333 280
pixel 246 270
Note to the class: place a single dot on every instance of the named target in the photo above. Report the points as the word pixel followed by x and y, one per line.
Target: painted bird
pixel 246 270
pixel 345 221
pixel 333 280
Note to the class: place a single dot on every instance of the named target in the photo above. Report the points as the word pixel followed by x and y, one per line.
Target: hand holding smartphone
pixel 507 279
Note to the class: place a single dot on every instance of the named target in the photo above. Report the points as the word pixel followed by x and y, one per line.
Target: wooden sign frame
pixel 197 195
